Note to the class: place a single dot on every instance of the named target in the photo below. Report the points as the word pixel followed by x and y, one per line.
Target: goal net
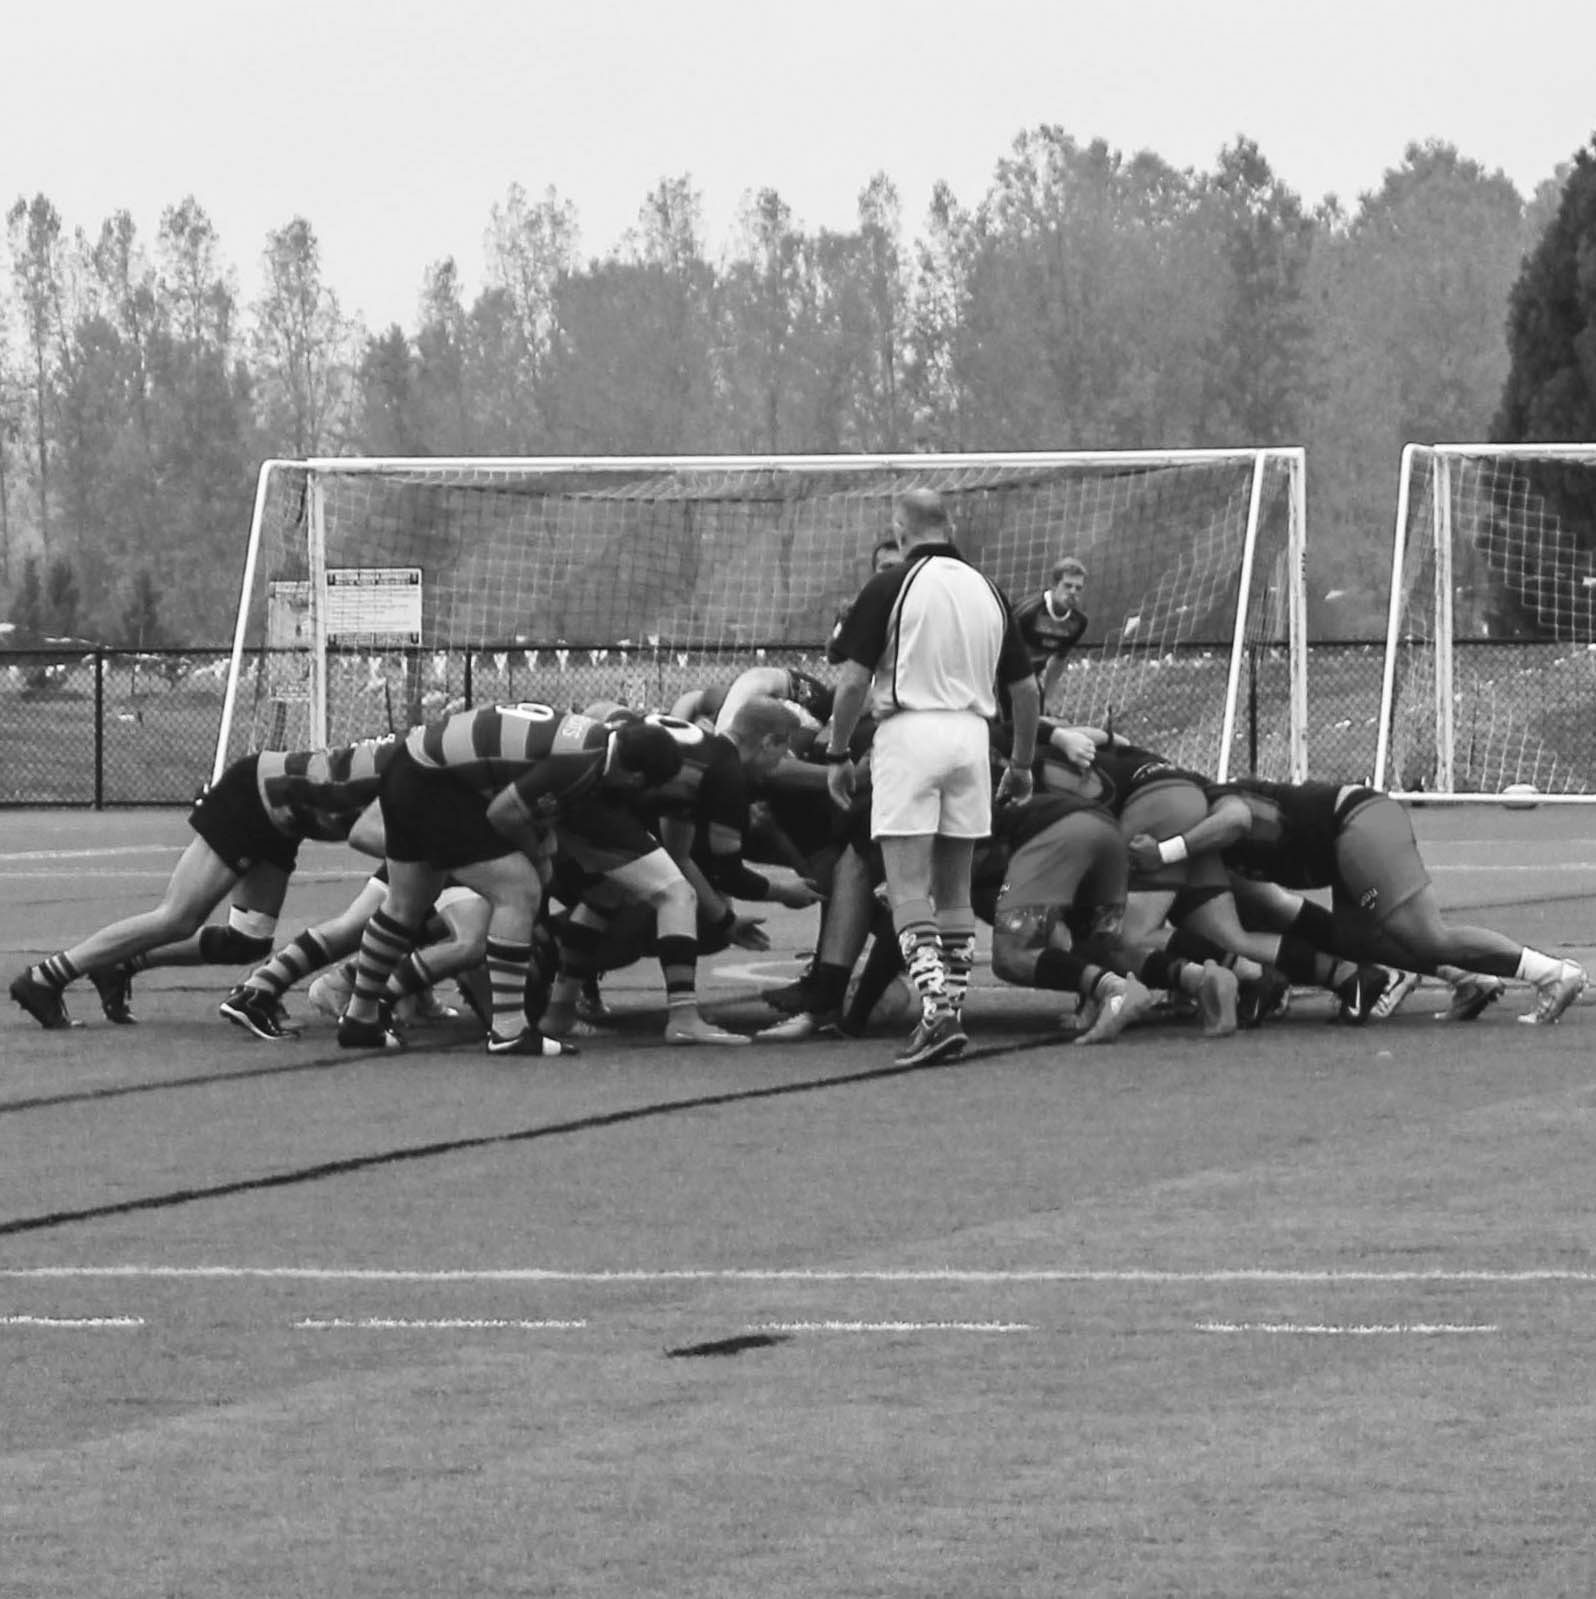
pixel 1490 659
pixel 377 593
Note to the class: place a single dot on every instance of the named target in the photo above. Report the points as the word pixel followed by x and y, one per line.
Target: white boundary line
pixel 73 1323
pixel 895 1326
pixel 1017 1278
pixel 1367 1330
pixel 429 1324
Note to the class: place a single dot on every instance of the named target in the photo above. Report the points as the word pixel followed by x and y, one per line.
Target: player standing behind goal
pixel 927 645
pixel 1052 622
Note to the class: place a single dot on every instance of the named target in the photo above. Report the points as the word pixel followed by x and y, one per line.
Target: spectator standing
pixel 1052 622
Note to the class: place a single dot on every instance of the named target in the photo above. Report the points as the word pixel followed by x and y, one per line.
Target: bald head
pixel 920 517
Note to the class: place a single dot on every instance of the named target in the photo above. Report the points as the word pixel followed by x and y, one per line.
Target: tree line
pixel 1089 300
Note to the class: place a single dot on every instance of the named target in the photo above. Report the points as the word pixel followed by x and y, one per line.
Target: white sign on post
pixel 373 605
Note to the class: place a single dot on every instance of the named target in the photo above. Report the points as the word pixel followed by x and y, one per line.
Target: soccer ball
pixel 1520 796
pixel 899 1006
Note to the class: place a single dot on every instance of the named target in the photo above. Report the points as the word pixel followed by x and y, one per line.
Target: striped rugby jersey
pixel 319 794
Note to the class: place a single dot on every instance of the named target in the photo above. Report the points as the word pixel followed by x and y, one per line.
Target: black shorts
pixel 229 816
pixel 431 818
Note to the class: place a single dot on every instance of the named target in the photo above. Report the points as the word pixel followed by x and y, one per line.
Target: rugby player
pixel 248 827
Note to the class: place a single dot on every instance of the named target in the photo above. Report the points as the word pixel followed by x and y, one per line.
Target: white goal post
pixel 377 592
pixel 1488 689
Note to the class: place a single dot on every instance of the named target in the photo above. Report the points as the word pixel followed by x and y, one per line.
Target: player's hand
pixel 1075 746
pixel 748 932
pixel 796 896
pixel 840 782
pixel 1143 852
pixel 1015 786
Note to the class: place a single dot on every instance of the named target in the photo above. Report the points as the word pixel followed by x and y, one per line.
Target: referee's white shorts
pixel 931 772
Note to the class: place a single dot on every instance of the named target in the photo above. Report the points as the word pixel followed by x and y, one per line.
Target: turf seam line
pixel 393 1157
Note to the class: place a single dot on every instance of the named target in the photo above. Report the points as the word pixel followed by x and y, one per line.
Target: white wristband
pixel 1172 850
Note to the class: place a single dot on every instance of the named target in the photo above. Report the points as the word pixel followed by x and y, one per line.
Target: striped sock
pixel 922 957
pixel 57 971
pixel 382 946
pixel 306 954
pixel 678 963
pixel 507 968
pixel 410 976
pixel 957 938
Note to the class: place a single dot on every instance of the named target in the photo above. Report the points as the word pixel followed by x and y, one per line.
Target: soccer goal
pixel 1489 682
pixel 378 592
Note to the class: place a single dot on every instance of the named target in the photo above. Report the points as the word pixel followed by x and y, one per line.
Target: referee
pixel 925 647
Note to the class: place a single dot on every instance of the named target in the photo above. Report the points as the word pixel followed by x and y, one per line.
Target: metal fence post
pixel 99 730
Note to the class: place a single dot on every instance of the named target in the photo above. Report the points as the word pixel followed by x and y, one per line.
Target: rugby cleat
pixel 1395 996
pixel 529 1041
pixel 1262 998
pixel 44 1003
pixel 1471 996
pixel 1359 995
pixel 114 985
pixel 1119 1001
pixel 695 1030
pixel 380 1034
pixel 933 1039
pixel 256 1012
pixel 790 998
pixel 804 1024
pixel 1553 995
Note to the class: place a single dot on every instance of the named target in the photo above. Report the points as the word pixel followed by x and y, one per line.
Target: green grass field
pixel 1299 1313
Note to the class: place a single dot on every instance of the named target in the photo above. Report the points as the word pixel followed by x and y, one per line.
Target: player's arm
pixel 1025 697
pixel 1051 673
pixel 853 690
pixel 524 811
pixel 1228 821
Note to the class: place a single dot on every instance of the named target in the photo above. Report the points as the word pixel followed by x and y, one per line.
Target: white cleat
pixel 696 1030
pixel 1555 995
pixel 1121 1001
pixel 1397 990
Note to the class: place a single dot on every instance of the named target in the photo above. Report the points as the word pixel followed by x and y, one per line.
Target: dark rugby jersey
pixel 1126 769
pixel 1292 840
pixel 711 788
pixel 551 759
pixel 710 793
pixel 319 794
pixel 1048 636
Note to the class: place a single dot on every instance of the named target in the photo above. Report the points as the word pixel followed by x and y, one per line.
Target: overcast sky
pixel 395 126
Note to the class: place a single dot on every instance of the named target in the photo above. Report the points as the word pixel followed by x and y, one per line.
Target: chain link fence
pixel 101 728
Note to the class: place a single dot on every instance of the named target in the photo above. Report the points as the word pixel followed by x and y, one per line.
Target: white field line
pixel 1427 1329
pixel 895 1326
pixel 429 1324
pixel 7 856
pixel 1018 1277
pixel 73 1323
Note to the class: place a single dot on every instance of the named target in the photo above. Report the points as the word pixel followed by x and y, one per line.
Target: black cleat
pixel 114 985
pixel 256 1012
pixel 42 1002
pixel 790 999
pixel 380 1034
pixel 529 1041
pixel 1259 999
pixel 1360 994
